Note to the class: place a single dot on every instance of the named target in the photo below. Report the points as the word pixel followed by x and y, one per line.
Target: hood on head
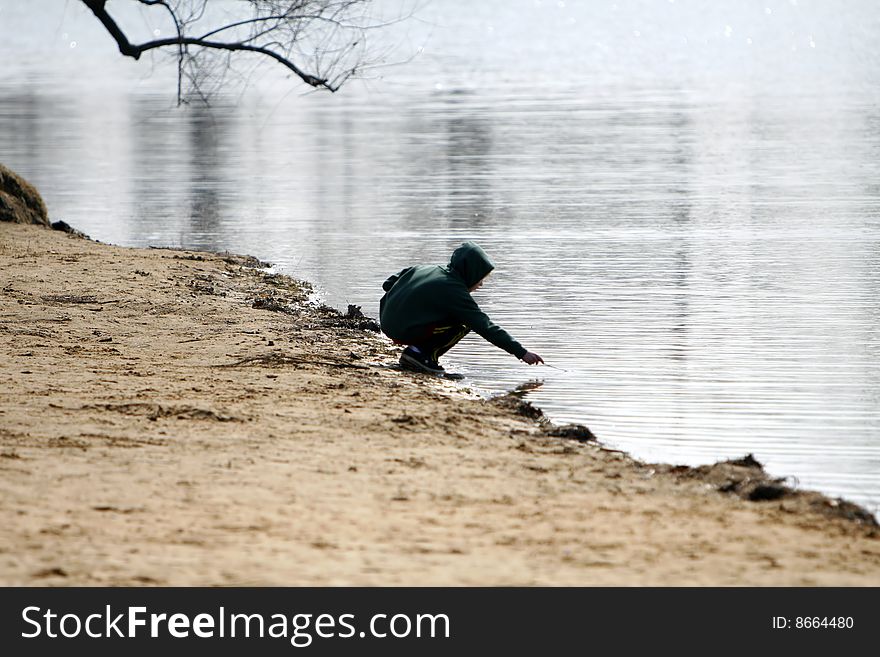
pixel 471 263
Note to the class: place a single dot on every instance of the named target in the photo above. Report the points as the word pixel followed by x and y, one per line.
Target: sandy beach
pixel 180 418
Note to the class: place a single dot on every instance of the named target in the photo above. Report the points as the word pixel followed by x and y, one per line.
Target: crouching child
pixel 429 308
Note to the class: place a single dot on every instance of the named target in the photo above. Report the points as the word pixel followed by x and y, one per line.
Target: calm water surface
pixel 682 200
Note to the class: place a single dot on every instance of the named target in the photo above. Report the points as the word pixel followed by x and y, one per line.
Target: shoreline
pixel 184 418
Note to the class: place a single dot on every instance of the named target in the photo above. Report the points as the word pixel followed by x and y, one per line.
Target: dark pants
pixel 440 340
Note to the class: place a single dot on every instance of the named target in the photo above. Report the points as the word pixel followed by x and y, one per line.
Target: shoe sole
pixel 410 363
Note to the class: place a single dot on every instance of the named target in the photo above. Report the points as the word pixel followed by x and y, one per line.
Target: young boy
pixel 430 308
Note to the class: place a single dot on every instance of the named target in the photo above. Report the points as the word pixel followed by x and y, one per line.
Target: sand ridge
pixel 181 418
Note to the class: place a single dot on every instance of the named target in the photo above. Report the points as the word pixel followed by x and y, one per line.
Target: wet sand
pixel 180 418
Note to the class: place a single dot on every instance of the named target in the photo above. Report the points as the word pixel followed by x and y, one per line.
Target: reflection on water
pixel 699 254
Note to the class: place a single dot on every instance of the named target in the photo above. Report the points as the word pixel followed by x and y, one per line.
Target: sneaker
pixel 416 362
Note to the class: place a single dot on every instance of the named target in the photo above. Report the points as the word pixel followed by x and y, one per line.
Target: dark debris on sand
pixel 572 432
pixel 287 295
pixel 65 227
pixel 746 478
pixel 516 403
pixel 353 318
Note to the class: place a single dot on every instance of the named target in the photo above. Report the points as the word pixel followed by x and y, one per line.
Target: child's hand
pixel 532 358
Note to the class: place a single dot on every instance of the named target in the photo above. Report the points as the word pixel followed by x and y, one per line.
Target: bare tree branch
pixel 322 42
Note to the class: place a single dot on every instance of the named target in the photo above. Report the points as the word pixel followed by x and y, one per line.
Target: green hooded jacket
pixel 426 296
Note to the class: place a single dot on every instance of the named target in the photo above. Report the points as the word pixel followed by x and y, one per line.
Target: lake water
pixel 682 200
